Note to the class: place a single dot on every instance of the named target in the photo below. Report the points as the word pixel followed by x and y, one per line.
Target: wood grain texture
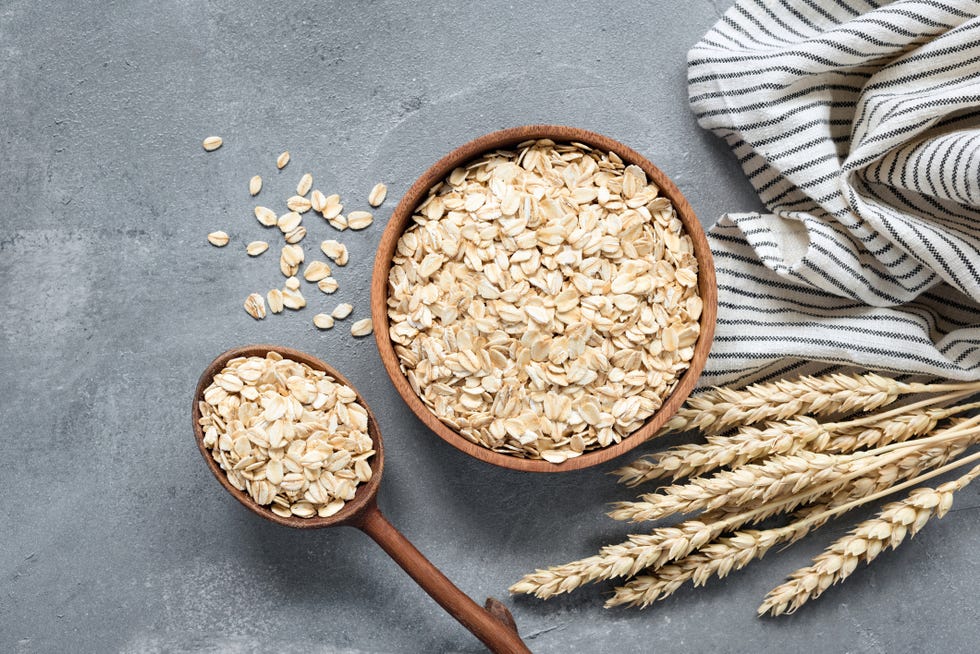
pixel 493 626
pixel 401 218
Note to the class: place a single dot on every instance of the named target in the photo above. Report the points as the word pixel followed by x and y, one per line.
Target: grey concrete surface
pixel 115 538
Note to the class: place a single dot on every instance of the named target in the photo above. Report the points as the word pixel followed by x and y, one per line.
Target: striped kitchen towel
pixel 858 123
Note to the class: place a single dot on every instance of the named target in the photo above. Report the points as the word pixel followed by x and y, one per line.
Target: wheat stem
pixel 622 559
pixel 804 476
pixel 734 552
pixel 956 430
pixel 719 409
pixel 751 443
pixel 905 409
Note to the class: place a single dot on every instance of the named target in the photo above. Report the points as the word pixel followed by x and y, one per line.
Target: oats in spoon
pixel 292 437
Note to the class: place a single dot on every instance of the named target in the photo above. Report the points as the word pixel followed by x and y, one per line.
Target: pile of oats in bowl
pixel 290 436
pixel 544 302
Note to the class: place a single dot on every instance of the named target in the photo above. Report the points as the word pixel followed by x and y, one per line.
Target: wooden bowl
pixel 401 218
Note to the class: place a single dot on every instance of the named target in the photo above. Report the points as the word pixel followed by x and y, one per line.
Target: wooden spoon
pixel 493 625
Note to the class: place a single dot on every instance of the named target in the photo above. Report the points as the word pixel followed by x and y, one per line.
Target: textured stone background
pixel 115 536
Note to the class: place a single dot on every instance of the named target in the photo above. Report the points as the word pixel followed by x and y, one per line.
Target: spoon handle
pixel 493 631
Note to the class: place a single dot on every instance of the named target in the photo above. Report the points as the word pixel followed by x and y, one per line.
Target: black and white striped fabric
pixel 858 123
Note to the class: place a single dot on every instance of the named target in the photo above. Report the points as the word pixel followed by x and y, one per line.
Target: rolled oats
pixel 218 239
pixel 212 143
pixel 377 195
pixel 305 184
pixel 544 301
pixel 266 216
pixel 255 248
pixel 255 306
pixel 291 437
pixel 359 219
pixel 336 251
pixel 361 327
pixel 341 311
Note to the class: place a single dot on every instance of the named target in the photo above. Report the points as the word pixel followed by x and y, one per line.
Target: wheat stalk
pixel 884 477
pixel 777 476
pixel 902 427
pixel 622 559
pixel 720 409
pixel 671 543
pixel 796 462
pixel 734 552
pixel 748 444
pixel 804 476
pixel 896 521
pixel 795 434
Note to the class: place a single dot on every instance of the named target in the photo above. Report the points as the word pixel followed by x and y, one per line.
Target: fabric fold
pixel 858 124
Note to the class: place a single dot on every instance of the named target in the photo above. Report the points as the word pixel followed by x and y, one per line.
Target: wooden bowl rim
pixel 365 494
pixel 503 139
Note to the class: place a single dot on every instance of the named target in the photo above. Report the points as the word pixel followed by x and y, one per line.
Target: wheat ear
pixel 656 549
pixel 896 521
pixel 720 409
pixel 806 475
pixel 734 552
pixel 902 427
pixel 757 482
pixel 752 443
pixel 621 560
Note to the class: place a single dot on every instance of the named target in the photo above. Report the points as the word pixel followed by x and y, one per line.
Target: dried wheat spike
pixel 746 445
pixel 720 409
pixel 897 429
pixel 623 559
pixel 896 521
pixel 757 483
pixel 734 552
pixel 752 443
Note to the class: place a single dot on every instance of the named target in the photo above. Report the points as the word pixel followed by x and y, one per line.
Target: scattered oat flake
pixel 332 206
pixel 275 300
pixel 296 235
pixel 359 219
pixel 289 221
pixel 292 283
pixel 255 306
pixel 305 184
pixel 254 185
pixel 377 195
pixel 298 203
pixel 266 216
pixel 293 299
pixel 323 321
pixel 335 250
pixel 361 327
pixel 212 143
pixel 318 201
pixel 316 271
pixel 255 248
pixel 328 285
pixel 282 160
pixel 218 239
pixel 341 311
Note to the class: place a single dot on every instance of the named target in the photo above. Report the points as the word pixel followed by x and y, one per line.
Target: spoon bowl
pixel 492 623
pixel 364 496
